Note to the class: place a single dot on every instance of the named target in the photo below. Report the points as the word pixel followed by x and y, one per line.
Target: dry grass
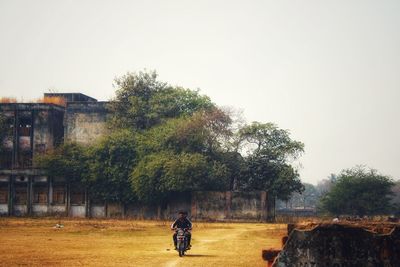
pixel 53 100
pixel 47 100
pixel 35 242
pixel 8 100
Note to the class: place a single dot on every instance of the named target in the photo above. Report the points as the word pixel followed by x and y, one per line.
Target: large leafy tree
pixel 180 155
pixel 270 151
pixel 111 162
pixel 166 139
pixel 396 198
pixel 359 191
pixel 268 140
pixel 157 176
pixel 142 101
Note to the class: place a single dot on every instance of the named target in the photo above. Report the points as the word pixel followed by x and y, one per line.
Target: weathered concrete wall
pixel 167 210
pixel 98 211
pixel 44 196
pixel 85 122
pixel 340 245
pixel 248 205
pixel 209 205
pixel 40 209
pixel 3 209
pixel 57 209
pixel 20 210
pixel 78 211
pixel 183 201
pixel 114 210
pixel 138 211
pixel 48 130
pixel 230 205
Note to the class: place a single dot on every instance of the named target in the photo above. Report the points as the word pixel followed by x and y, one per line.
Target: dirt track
pixel 36 242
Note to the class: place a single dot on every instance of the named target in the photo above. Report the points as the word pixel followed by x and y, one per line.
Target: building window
pixel 40 194
pixel 58 195
pixel 21 195
pixel 25 126
pixel 10 123
pixel 25 159
pixel 77 196
pixel 5 159
pixel 3 194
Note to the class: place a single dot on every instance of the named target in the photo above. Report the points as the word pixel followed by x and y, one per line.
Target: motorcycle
pixel 182 242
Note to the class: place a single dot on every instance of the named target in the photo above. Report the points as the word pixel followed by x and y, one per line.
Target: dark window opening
pixel 58 195
pixel 3 194
pixel 58 129
pixel 21 195
pixel 25 126
pixel 77 196
pixel 10 123
pixel 25 159
pixel 40 193
pixel 5 159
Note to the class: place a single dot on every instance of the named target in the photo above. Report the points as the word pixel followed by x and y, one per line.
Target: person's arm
pixel 189 223
pixel 173 225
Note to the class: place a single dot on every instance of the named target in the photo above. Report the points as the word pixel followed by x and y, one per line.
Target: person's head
pixel 181 215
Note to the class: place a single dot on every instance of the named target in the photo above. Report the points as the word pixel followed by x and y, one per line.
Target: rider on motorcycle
pixel 183 223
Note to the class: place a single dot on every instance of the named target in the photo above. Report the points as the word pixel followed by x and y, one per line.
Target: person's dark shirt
pixel 185 223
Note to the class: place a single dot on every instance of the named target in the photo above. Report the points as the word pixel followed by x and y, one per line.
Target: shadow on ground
pixel 198 255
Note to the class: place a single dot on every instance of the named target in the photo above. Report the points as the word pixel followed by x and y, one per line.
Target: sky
pixel 328 71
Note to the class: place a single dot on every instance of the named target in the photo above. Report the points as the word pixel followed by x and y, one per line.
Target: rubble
pixel 345 243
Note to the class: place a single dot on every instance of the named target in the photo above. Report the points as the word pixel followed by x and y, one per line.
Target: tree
pixel 69 161
pixel 142 101
pixel 396 198
pixel 200 133
pixel 268 140
pixel 166 139
pixel 359 191
pixel 325 185
pixel 111 161
pixel 307 199
pixel 267 167
pixel 183 154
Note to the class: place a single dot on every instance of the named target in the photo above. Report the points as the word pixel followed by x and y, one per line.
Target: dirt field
pixel 33 242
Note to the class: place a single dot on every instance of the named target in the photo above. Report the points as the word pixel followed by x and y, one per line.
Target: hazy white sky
pixel 329 71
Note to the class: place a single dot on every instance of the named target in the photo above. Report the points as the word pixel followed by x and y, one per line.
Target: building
pixel 32 129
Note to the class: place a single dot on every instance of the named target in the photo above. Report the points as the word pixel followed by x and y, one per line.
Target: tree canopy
pixel 359 191
pixel 396 198
pixel 142 101
pixel 269 151
pixel 69 161
pixel 165 139
pixel 307 199
pixel 111 161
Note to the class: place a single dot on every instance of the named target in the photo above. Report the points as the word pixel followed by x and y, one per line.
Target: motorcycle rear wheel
pixel 181 249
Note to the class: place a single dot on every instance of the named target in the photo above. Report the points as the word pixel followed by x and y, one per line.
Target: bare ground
pixel 36 242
